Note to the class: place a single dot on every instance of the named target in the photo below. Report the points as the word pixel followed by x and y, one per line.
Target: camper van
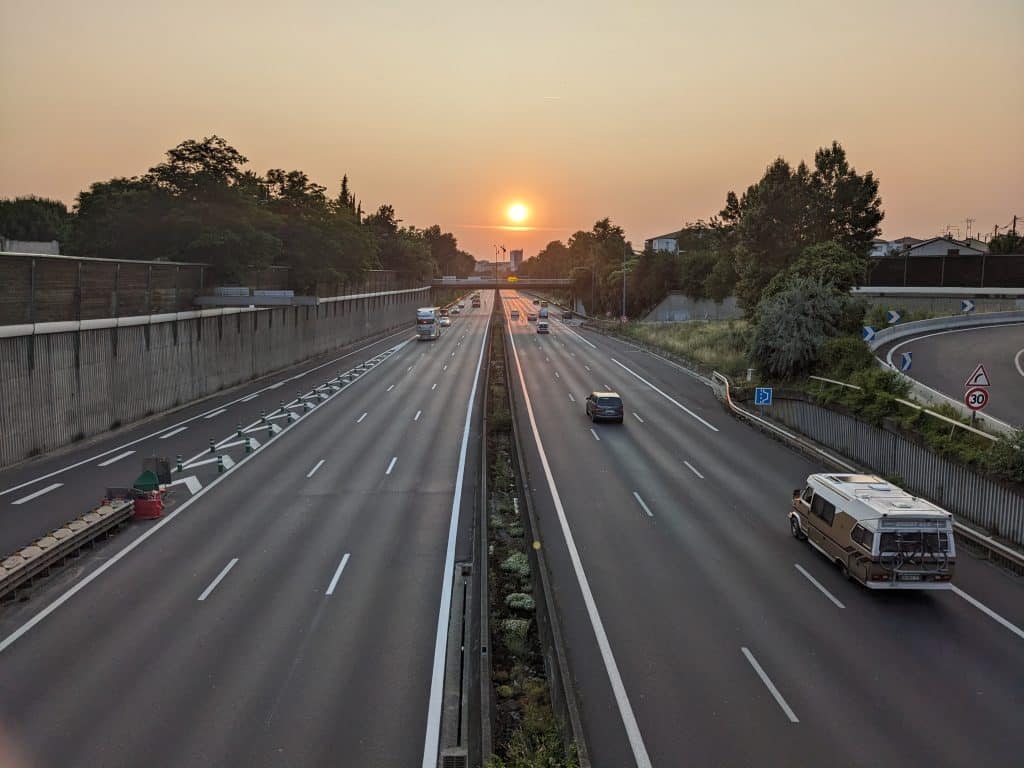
pixel 877 533
pixel 428 323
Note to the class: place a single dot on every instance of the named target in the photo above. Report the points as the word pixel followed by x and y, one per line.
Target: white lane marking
pixel 888 356
pixel 228 462
pixel 636 740
pixel 433 732
pixel 360 418
pixel 21 631
pixel 693 469
pixel 409 369
pixel 595 434
pixel 216 581
pixel 637 417
pixel 819 585
pixel 315 468
pixel 587 367
pixel 391 387
pixel 172 433
pixel 571 398
pixel 444 367
pixel 642 504
pixel 253 396
pixel 433 388
pixel 547 359
pixel 417 416
pixel 990 613
pixel 570 330
pixel 607 387
pixel 337 575
pixel 119 456
pixel 557 375
pixel 138 440
pixel 394 460
pixel 215 413
pixel 770 686
pixel 38 493
pixel 191 482
pixel 453 354
pixel 668 397
pixel 275 386
pixel 1016 362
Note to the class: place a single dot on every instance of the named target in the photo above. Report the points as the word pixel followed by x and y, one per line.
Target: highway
pixel 288 612
pixel 943 360
pixel 698 631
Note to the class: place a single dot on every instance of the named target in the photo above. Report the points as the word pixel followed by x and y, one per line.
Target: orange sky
pixel 647 112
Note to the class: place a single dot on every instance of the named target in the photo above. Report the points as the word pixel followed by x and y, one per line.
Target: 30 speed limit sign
pixel 976 398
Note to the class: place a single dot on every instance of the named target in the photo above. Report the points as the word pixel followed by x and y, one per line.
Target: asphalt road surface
pixel 698 631
pixel 943 360
pixel 288 613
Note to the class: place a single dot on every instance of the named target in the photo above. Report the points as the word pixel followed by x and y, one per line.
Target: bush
pixel 842 357
pixel 520 601
pixel 517 563
pixel 513 634
pixel 1007 458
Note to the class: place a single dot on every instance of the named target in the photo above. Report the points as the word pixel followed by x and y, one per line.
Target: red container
pixel 148 507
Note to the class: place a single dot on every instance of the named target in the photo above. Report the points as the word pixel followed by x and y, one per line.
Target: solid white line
pixel 990 613
pixel 433 732
pixel 693 469
pixel 417 416
pixel 360 418
pixel 394 460
pixel 109 451
pixel 337 575
pixel 819 585
pixel 172 433
pixel 38 493
pixel 908 340
pixel 636 741
pixel 770 686
pixel 1016 362
pixel 666 396
pixel 110 461
pixel 253 396
pixel 637 417
pixel 391 387
pixel 215 582
pixel 595 434
pixel 570 330
pixel 641 502
pixel 571 398
pixel 315 468
pixel 215 413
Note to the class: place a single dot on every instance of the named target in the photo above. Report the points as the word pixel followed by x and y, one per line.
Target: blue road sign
pixel 906 359
pixel 868 333
pixel 966 305
pixel 762 396
pixel 892 317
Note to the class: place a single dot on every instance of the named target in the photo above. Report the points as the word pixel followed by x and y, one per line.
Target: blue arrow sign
pixel 966 305
pixel 906 359
pixel 892 316
pixel 868 333
pixel 762 396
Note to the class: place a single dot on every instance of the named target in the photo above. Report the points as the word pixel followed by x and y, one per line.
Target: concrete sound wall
pixel 61 382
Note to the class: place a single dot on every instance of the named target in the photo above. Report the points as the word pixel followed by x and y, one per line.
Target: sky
pixel 646 112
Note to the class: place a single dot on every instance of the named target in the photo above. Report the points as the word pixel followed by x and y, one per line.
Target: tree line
pixel 202 205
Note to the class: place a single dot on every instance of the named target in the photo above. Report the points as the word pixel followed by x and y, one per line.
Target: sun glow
pixel 517 213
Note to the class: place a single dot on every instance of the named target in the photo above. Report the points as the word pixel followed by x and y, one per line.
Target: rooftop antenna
pixel 969 222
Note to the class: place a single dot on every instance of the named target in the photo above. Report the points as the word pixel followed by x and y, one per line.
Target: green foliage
pixel 842 357
pixel 721 345
pixel 33 218
pixel 1006 243
pixel 1006 460
pixel 517 563
pixel 794 324
pixel 513 634
pixel 875 315
pixel 520 601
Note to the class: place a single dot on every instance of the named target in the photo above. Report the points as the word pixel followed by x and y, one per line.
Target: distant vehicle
pixel 531 317
pixel 513 279
pixel 604 406
pixel 543 303
pixel 454 310
pixel 449 278
pixel 536 301
pixel 428 323
pixel 877 533
pixel 543 312
pixel 462 305
pixel 542 327
pixel 445 321
pixel 475 300
pixel 514 314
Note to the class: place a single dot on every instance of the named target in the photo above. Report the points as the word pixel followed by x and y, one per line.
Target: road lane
pixel 713 571
pixel 268 668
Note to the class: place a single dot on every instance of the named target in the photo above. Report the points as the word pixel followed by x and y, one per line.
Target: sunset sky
pixel 647 112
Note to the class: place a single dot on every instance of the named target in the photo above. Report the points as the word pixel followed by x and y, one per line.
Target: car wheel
pixel 794 528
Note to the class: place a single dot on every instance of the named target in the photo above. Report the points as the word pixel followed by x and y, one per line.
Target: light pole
pixel 623 282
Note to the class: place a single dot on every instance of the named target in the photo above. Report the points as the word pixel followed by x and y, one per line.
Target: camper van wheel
pixel 794 527
pixel 843 569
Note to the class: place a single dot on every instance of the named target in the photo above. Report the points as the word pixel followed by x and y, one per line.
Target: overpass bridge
pixel 491 282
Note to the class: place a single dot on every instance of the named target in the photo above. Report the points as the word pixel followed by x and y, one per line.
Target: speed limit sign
pixel 976 398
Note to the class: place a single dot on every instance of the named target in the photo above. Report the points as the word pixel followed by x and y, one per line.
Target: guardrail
pixel 995 549
pixel 20 569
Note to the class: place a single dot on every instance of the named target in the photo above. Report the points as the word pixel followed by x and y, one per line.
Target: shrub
pixel 513 634
pixel 517 563
pixel 520 601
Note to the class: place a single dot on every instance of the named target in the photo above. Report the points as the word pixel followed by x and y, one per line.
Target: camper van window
pixel 824 509
pixel 862 536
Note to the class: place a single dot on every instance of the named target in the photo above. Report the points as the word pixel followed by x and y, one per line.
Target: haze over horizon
pixel 648 113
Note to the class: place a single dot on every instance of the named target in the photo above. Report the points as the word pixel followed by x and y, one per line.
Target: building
pixel 485 268
pixel 515 257
pixel 941 246
pixel 42 248
pixel 669 242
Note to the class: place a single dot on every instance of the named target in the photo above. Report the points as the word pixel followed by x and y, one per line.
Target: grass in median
pixel 526 732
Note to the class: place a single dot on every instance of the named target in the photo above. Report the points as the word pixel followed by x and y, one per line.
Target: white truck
pixel 428 323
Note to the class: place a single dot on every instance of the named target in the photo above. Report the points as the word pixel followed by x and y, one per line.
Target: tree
pixel 845 206
pixel 1007 243
pixel 33 218
pixel 197 168
pixel 828 263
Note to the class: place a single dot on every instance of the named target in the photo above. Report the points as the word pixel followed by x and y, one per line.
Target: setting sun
pixel 517 213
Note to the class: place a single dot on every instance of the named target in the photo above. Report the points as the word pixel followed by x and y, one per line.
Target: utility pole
pixel 624 281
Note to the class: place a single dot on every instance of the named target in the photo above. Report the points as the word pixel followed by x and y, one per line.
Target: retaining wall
pixel 61 382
